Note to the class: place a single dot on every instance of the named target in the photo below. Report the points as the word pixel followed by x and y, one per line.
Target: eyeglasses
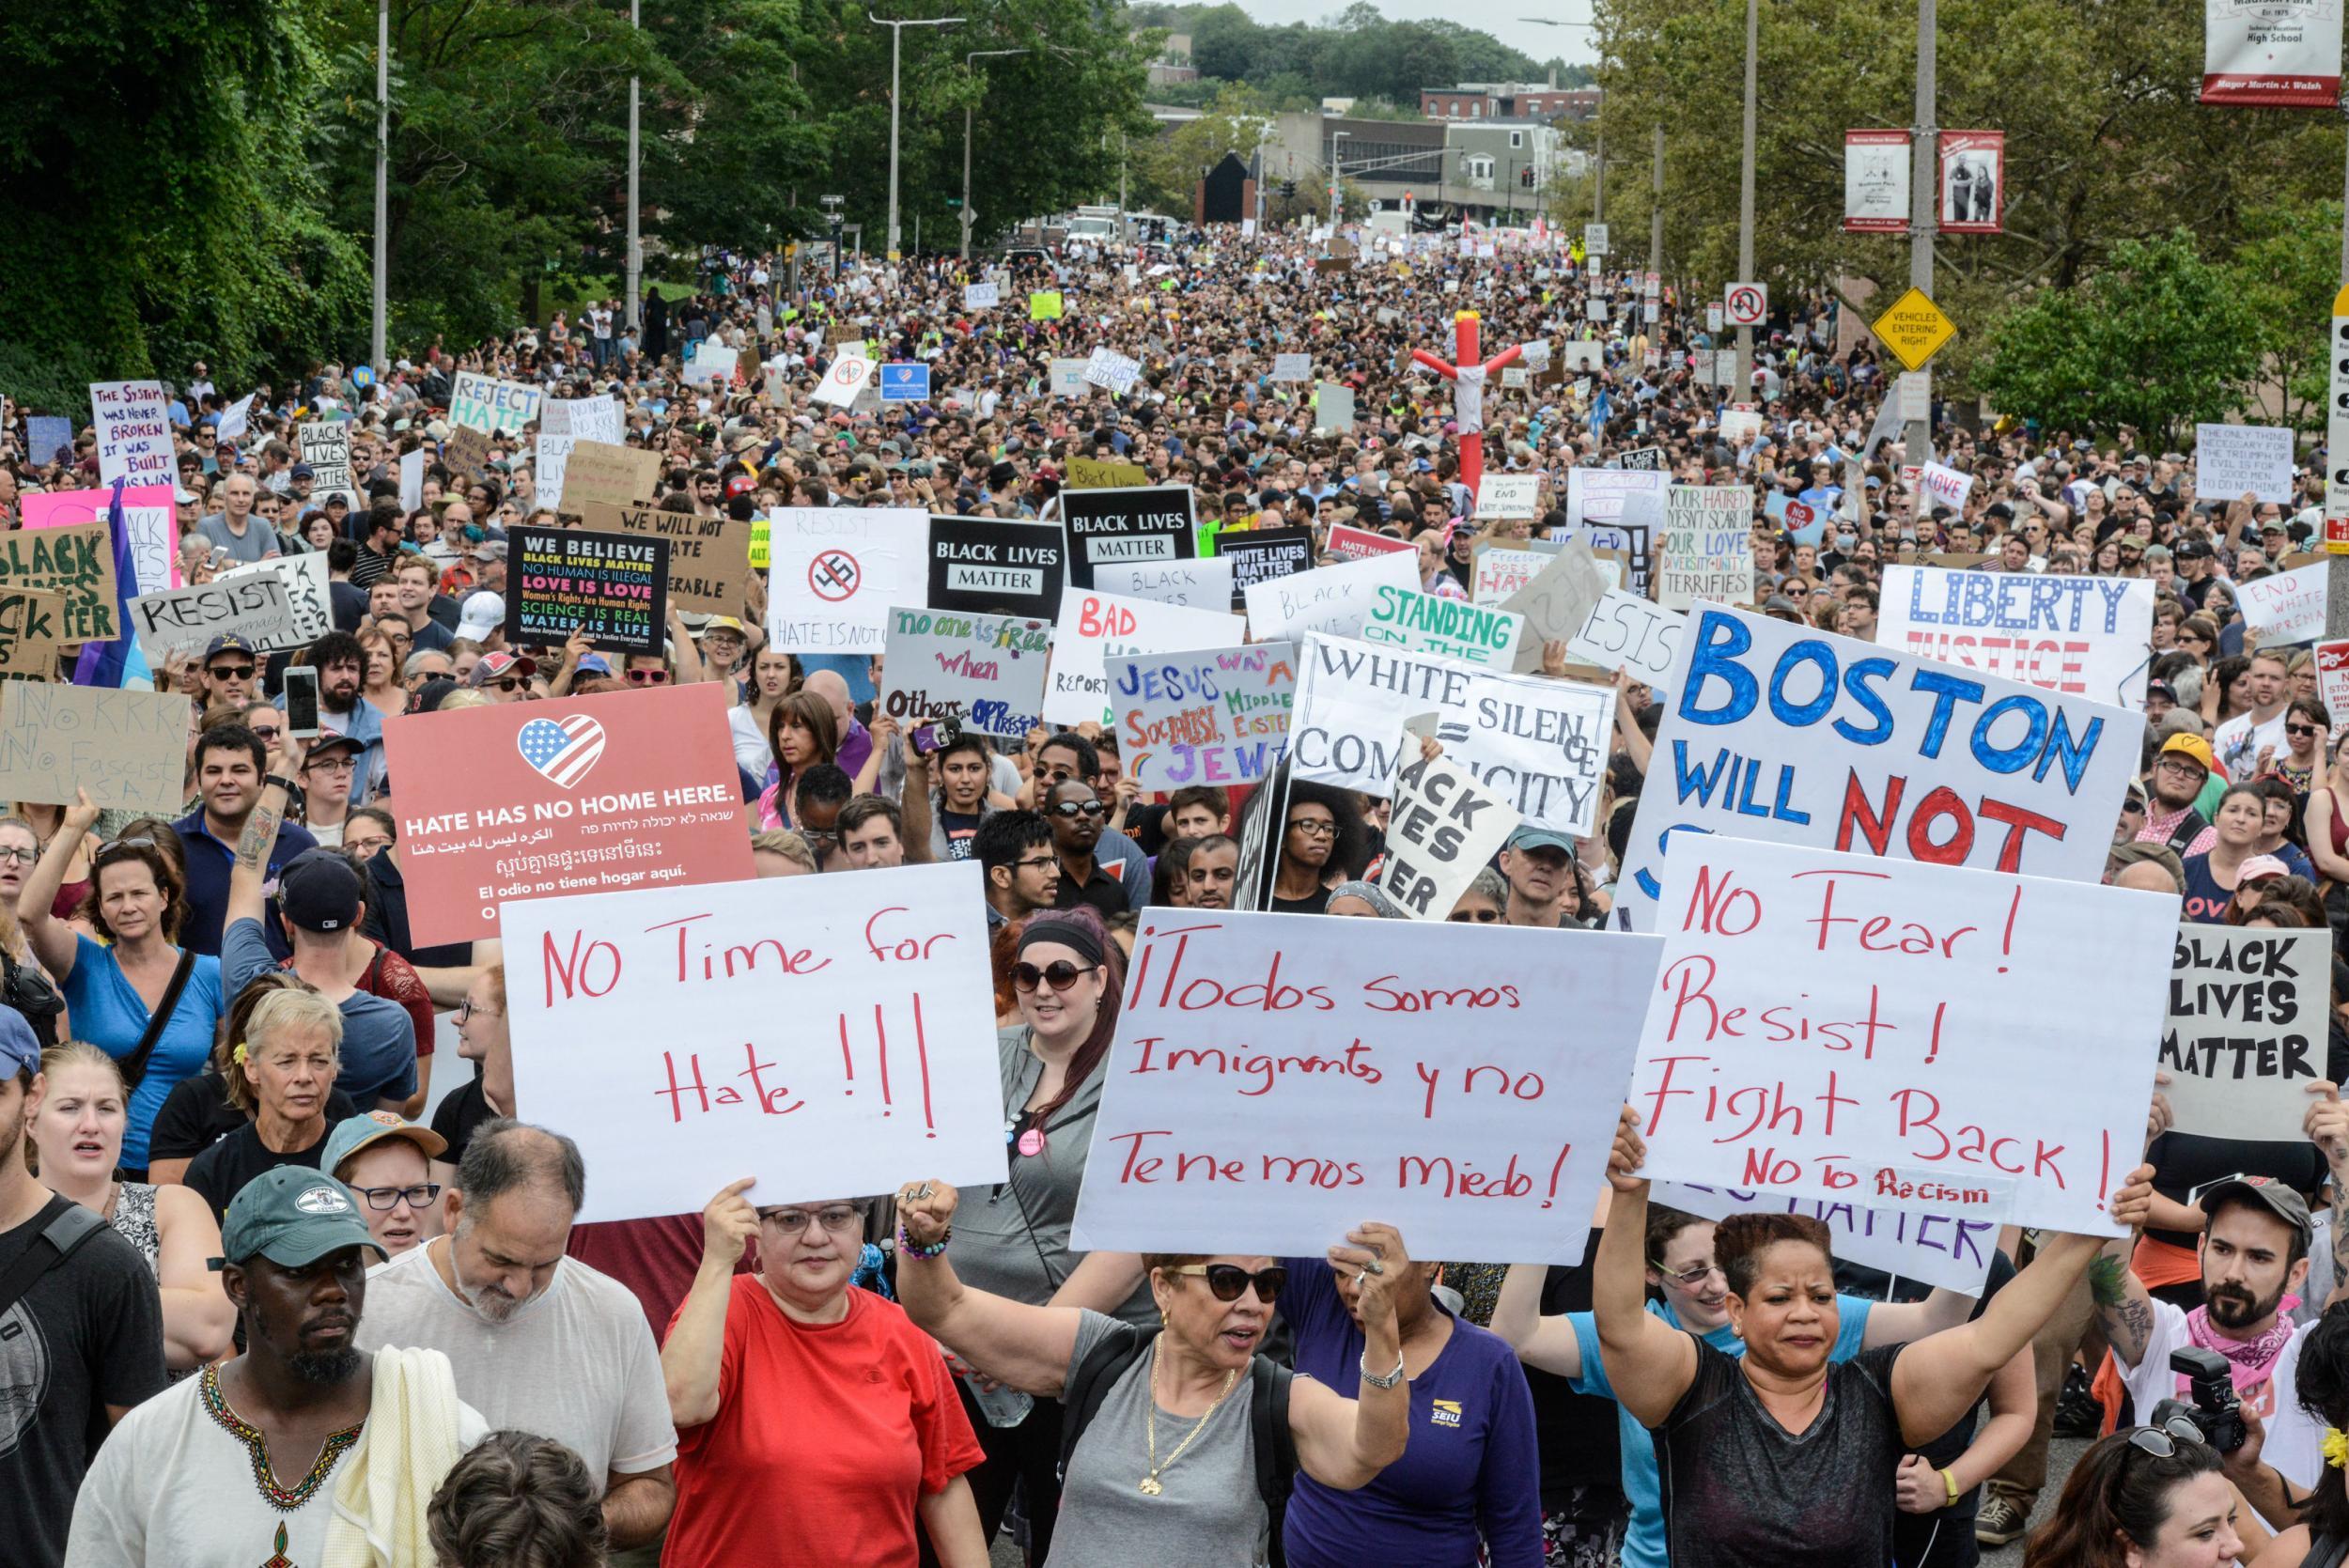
pixel 1313 827
pixel 1079 808
pixel 229 671
pixel 1481 917
pixel 19 856
pixel 332 765
pixel 468 1008
pixel 2162 1441
pixel 417 1197
pixel 1688 1279
pixel 1059 974
pixel 1228 1279
pixel 1035 863
pixel 836 1217
pixel 648 678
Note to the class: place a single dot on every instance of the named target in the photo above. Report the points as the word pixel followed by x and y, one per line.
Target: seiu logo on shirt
pixel 1443 1412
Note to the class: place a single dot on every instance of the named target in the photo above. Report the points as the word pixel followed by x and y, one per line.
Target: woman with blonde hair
pixel 281 1074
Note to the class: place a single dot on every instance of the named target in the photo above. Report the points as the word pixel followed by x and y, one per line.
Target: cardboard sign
pixel 309 602
pixel 2249 1013
pixel 1631 634
pixel 1349 543
pixel 467 452
pixel 1509 495
pixel 1707 547
pixel 1203 584
pixel 2285 607
pixel 147 513
pixel 1860 1028
pixel 1785 733
pixel 1220 715
pixel 1434 1090
pixel 615 587
pixel 1946 1250
pixel 78 565
pixel 526 800
pixel 2234 460
pixel 1406 618
pixel 1115 371
pixel 251 606
pixel 1094 627
pixel 1135 524
pixel 988 565
pixel 1336 600
pixel 1444 828
pixel 325 445
pixel 28 634
pixel 709 558
pixel 127 748
pixel 1262 554
pixel 2085 636
pixel 987 670
pixel 484 403
pixel 1100 473
pixel 691 1036
pixel 133 422
pixel 1559 601
pixel 612 474
pixel 837 571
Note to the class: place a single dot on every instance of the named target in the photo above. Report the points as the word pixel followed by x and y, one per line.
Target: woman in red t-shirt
pixel 819 1400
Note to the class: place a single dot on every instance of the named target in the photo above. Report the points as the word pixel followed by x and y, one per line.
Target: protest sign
pixel 713 364
pixel 986 671
pixel 1100 473
pixel 614 587
pixel 1291 367
pixel 147 512
pixel 1854 1027
pixel 521 800
pixel 1065 378
pixel 1509 495
pixel 1261 554
pixel 1707 547
pixel 583 419
pixel 1203 584
pixel 1110 369
pixel 2234 460
pixel 45 436
pixel 836 571
pixel 28 634
pixel 1740 427
pixel 77 563
pixel 410 468
pixel 1094 627
pixel 981 296
pixel 1434 1088
pixel 2285 607
pixel 606 472
pixel 2249 1010
pixel 1501 571
pixel 1558 602
pixel 1152 522
pixel 1946 487
pixel 466 452
pixel 1650 458
pixel 1043 305
pixel 181 620
pixel 2332 679
pixel 692 1036
pixel 1349 543
pixel 309 602
pixel 2272 56
pixel 1785 733
pixel 1333 407
pixel 849 374
pixel 1333 600
pixel 133 423
pixel 709 558
pixel 479 402
pixel 325 446
pixel 1444 827
pixel 1631 541
pixel 127 748
pixel 1946 1250
pixel 1631 634
pixel 990 566
pixel 2086 636
pixel 1630 496
pixel 1474 634
pixel 1217 716
pixel 554 459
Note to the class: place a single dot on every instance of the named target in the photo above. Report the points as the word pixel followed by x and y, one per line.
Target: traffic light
pixel 1288 189
pixel 1525 177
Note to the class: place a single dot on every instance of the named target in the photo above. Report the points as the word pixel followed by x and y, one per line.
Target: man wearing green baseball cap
pixel 295 1451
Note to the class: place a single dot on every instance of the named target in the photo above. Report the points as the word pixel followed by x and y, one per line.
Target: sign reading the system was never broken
pixel 1152 523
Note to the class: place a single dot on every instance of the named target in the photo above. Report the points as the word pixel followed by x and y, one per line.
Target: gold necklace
pixel 1150 1487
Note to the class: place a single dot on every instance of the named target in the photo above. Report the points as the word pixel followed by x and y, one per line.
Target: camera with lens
pixel 2210 1403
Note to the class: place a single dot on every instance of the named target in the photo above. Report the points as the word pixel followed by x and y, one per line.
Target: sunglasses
pixel 1229 1280
pixel 648 678
pixel 1688 1279
pixel 2162 1441
pixel 509 683
pixel 1059 974
pixel 2302 729
pixel 229 671
pixel 1480 917
pixel 1079 808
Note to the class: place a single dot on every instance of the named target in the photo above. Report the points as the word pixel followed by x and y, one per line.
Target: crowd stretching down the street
pixel 382 1183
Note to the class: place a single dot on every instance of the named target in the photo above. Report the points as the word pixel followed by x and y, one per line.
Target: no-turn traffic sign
pixel 1745 304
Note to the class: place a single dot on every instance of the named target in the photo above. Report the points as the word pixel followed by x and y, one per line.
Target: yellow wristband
pixel 1950 1481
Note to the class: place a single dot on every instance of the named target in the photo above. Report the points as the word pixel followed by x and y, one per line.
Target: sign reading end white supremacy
pixel 1834 1026
pixel 690 1036
pixel 1278 1079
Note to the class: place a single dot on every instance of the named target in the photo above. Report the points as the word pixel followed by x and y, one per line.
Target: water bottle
pixel 1002 1406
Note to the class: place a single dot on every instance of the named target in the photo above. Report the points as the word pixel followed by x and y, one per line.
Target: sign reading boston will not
pixel 614 586
pixel 1147 523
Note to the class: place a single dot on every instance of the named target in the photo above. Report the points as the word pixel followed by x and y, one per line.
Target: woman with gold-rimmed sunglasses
pixel 2152 1498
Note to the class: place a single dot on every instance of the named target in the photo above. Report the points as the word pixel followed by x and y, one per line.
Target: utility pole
pixel 1598 187
pixel 1917 442
pixel 974 54
pixel 1744 388
pixel 831 215
pixel 383 159
pixel 2336 448
pixel 896 54
pixel 1337 175
pixel 633 314
pixel 1656 213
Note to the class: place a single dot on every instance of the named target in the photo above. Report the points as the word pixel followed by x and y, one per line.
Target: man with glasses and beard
pixel 301 1450
pixel 2179 773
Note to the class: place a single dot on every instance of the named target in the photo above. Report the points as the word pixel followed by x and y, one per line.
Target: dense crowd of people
pixel 276 1290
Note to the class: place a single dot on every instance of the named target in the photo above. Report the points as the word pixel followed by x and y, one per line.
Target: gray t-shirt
pixel 1207 1515
pixel 258 544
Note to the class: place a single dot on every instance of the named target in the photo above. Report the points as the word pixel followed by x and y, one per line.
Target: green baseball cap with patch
pixel 292 1215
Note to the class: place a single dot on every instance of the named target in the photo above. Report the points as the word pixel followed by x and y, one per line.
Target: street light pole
pixel 1916 442
pixel 1744 204
pixel 897 51
pixel 635 239
pixel 1656 211
pixel 974 54
pixel 1337 173
pixel 383 159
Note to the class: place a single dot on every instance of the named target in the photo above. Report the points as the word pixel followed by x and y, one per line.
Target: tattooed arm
pixel 2121 1302
pixel 250 868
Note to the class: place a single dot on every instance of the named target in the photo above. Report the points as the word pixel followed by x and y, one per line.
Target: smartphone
pixel 301 702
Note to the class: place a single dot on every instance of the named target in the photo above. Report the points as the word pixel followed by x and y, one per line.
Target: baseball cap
pixel 331 742
pixel 303 471
pixel 292 1215
pixel 2192 549
pixel 228 644
pixel 492 549
pixel 19 1045
pixel 2192 747
pixel 354 1133
pixel 319 890
pixel 494 665
pixel 2162 690
pixel 2259 868
pixel 1541 838
pixel 594 665
pixel 723 623
pixel 483 614
pixel 2266 1193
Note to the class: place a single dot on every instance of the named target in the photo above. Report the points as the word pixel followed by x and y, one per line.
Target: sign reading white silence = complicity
pixel 1277 1079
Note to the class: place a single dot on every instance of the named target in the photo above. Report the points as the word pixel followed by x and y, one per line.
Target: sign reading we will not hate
pixel 1783 733
pixel 2249 1010
pixel 692 1037
pixel 986 671
pixel 629 789
pixel 1217 716
pixel 1855 1027
pixel 2083 635
pixel 611 586
pixel 1277 1079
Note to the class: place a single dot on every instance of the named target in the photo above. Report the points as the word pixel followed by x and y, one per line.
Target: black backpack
pixel 1268 1416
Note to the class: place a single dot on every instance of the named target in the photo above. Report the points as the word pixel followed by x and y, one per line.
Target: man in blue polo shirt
pixel 230 765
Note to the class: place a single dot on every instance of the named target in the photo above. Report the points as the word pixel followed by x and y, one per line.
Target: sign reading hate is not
pixel 2247 1030
pixel 696 1036
pixel 1217 716
pixel 611 586
pixel 1275 1078
pixel 986 671
pixel 835 572
pixel 127 748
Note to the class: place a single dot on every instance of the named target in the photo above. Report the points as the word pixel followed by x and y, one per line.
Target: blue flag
pixel 117 662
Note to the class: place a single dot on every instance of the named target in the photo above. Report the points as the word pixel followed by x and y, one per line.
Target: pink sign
pixel 1348 543
pixel 147 510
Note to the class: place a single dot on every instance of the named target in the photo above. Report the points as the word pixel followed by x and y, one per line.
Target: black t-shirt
pixel 221 1172
pixel 457 1117
pixel 960 828
pixel 386 920
pixel 196 1115
pixel 1737 1490
pixel 90 1333
pixel 1317 904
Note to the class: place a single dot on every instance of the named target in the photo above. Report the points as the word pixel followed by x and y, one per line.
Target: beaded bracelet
pixel 907 1247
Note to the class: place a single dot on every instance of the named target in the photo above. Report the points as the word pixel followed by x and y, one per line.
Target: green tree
pixel 1237 119
pixel 2288 270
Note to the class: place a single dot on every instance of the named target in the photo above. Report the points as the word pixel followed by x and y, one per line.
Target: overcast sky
pixel 1503 18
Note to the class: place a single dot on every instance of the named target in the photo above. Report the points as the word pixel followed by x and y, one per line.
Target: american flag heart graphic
pixel 562 749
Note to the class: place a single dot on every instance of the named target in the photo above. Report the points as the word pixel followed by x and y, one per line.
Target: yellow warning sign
pixel 1914 329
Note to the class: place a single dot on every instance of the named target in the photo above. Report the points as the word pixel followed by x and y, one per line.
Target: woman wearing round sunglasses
pixel 2157 1497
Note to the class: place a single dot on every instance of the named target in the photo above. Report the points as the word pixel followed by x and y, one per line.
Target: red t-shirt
pixel 835 1428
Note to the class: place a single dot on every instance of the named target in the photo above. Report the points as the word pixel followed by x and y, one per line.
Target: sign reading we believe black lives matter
pixel 1154 524
pixel 613 585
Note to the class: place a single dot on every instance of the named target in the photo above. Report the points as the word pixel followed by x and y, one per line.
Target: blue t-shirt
pixel 209 863
pixel 379 1048
pixel 108 1013
pixel 1643 1545
pixel 2205 900
pixel 1471 1467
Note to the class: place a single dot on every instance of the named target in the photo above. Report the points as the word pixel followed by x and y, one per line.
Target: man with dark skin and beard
pixel 1074 810
pixel 266 1458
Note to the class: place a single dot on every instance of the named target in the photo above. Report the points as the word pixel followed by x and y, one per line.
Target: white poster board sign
pixel 847 375
pixel 1946 487
pixel 2084 636
pixel 1203 584
pixel 981 296
pixel 2249 1009
pixel 1444 828
pixel 1113 370
pixel 251 606
pixel 1632 496
pixel 1210 716
pixel 1706 549
pixel 481 402
pixel 1946 1250
pixel 1092 626
pixel 985 670
pixel 1333 600
pixel 1067 377
pixel 2234 460
pixel 133 422
pixel 1291 367
pixel 1472 633
pixel 835 573
pixel 1626 632
pixel 309 602
pixel 1509 495
pixel 2285 607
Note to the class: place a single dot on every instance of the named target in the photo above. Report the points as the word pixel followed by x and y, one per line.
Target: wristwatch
pixel 280 781
pixel 1387 1382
